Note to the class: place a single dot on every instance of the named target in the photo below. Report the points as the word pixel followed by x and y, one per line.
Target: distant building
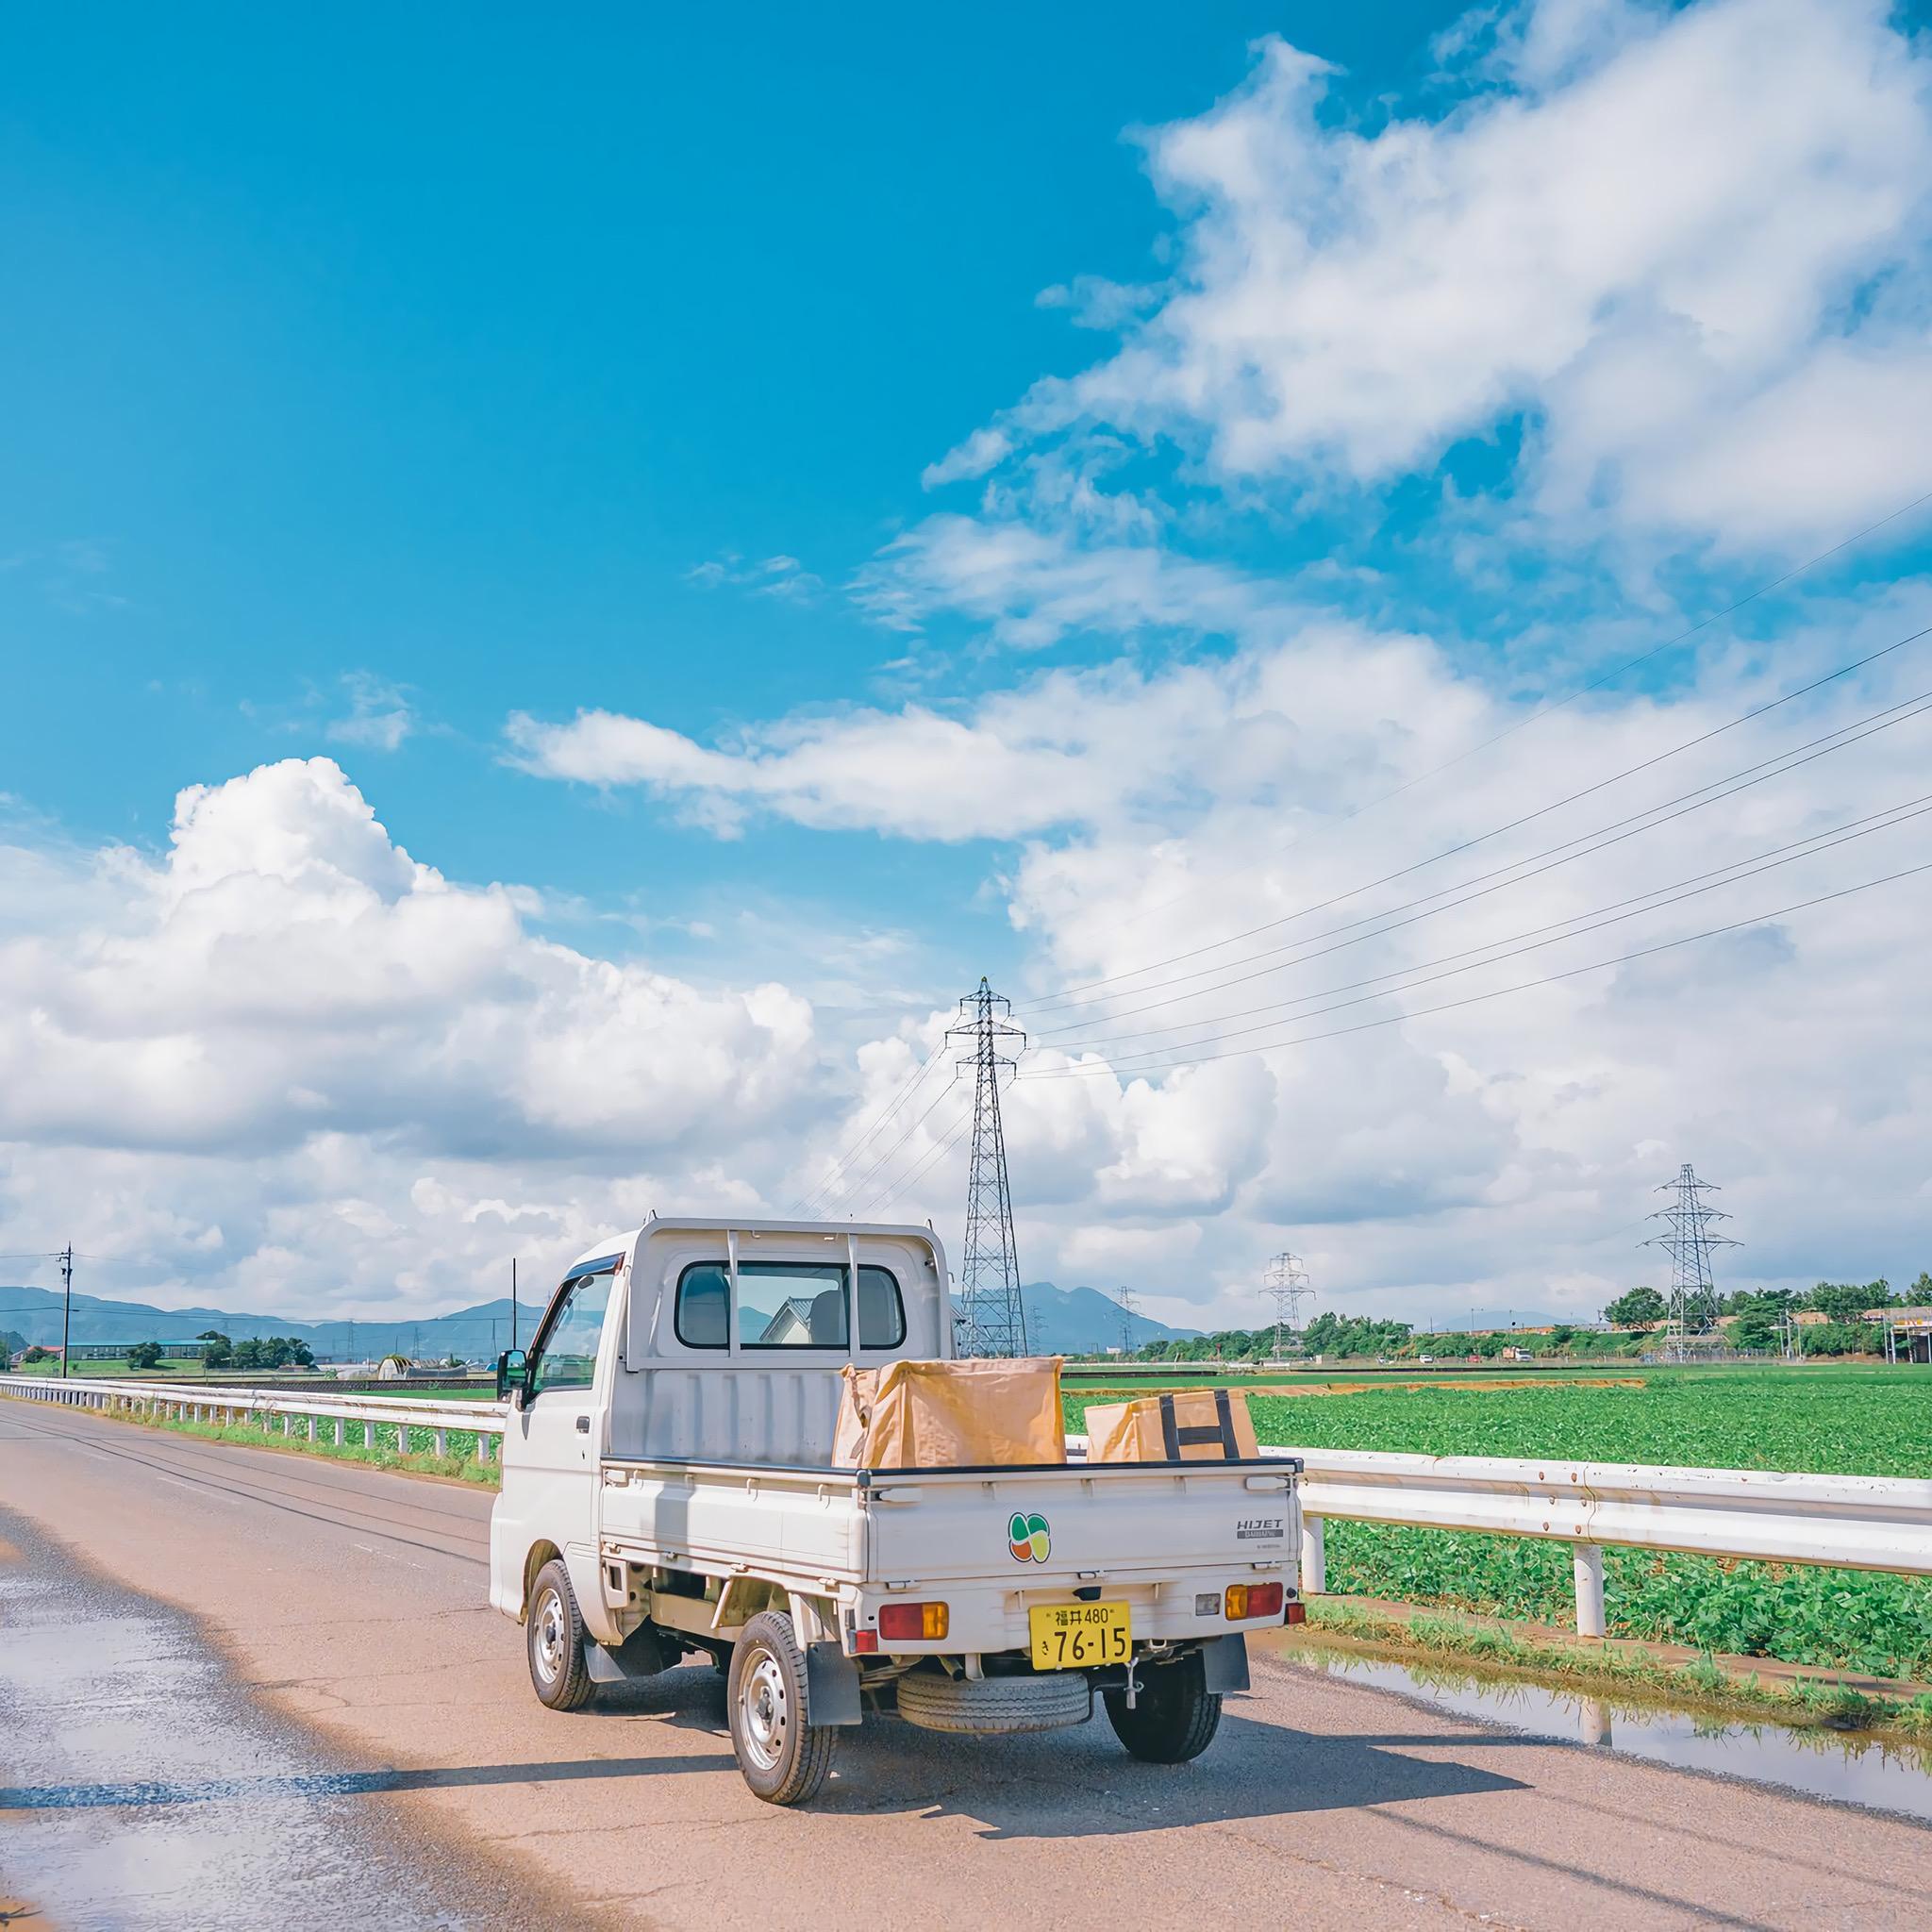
pixel 1908 1333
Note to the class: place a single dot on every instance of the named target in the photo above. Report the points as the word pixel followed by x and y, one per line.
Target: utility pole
pixel 1693 1293
pixel 992 1320
pixel 66 1304
pixel 513 1304
pixel 1287 1285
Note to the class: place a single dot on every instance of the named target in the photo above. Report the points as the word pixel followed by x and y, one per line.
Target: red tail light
pixel 1246 1601
pixel 1298 1613
pixel 914 1622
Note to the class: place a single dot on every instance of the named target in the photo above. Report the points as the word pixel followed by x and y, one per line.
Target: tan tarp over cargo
pixel 951 1415
pixel 1190 1426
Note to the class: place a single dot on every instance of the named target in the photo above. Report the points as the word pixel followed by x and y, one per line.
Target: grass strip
pixel 461 1463
pixel 1702 1681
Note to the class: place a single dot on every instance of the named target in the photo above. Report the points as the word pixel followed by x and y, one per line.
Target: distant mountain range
pixel 1082 1321
pixel 475 1333
pixel 1060 1321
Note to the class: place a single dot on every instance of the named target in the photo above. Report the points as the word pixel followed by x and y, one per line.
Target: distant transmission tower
pixel 992 1322
pixel 1287 1285
pixel 1128 1310
pixel 1690 1241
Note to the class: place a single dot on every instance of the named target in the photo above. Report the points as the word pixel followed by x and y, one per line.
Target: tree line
pixel 1758 1324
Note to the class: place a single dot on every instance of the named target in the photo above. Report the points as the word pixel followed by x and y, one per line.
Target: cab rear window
pixel 787 1305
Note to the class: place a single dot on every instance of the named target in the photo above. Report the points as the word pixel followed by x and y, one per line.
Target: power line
pixel 1064 996
pixel 1583 921
pixel 899 1098
pixel 892 1147
pixel 896 1188
pixel 1542 711
pixel 1616 832
pixel 1188 1060
pixel 889 1187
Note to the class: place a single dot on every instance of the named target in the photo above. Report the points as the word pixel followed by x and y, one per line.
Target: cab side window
pixel 566 1353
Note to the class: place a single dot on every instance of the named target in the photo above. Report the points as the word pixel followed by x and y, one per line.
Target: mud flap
pixel 831 1686
pixel 1225 1663
pixel 643 1653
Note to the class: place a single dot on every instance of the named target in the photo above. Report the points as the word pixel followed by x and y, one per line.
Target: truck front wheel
pixel 1175 1715
pixel 783 1755
pixel 554 1633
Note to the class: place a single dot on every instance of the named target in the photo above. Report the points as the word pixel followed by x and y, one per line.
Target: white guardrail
pixel 373 1418
pixel 1845 1521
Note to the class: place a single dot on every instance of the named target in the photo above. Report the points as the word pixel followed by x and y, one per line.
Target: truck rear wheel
pixel 1175 1715
pixel 783 1755
pixel 554 1634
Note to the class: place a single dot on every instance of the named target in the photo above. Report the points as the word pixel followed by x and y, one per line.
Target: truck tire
pixel 994 1707
pixel 783 1755
pixel 554 1636
pixel 1175 1715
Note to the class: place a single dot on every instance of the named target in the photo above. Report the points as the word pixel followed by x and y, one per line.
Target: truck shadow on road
pixel 1061 1784
pixel 1080 1782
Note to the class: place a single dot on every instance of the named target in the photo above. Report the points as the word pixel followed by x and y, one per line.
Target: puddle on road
pixel 1848 1767
pixel 141 1788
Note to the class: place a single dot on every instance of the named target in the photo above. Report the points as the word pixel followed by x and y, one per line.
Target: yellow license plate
pixel 1076 1637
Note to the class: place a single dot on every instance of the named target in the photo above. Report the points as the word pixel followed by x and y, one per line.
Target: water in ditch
pixel 1844 1767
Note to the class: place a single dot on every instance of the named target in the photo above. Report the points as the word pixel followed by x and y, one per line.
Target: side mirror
pixel 512 1373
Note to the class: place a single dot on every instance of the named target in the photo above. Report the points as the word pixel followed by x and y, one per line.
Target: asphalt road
pixel 351 1602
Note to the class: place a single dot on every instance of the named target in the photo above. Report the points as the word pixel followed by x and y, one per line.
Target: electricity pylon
pixel 992 1321
pixel 1693 1293
pixel 1286 1284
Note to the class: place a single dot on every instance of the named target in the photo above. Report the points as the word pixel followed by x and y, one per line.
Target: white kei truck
pixel 669 1486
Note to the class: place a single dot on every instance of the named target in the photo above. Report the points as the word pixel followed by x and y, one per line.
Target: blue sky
pixel 551 427
pixel 445 347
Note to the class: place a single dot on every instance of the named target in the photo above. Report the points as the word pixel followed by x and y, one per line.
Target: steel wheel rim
pixel 764 1712
pixel 552 1635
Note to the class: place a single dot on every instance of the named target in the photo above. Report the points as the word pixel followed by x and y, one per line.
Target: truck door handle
pixel 583 1425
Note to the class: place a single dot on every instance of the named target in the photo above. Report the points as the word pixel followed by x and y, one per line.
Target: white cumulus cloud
pixel 1687 247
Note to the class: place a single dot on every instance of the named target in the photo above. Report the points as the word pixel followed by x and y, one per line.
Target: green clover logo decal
pixel 1029 1538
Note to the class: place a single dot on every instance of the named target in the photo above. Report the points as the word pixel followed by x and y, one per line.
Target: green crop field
pixel 1845 1420
pixel 81 1370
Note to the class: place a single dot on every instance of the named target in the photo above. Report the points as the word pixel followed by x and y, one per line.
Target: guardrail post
pixel 1314 1574
pixel 312 1428
pixel 442 1441
pixel 1587 1561
pixel 338 1432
